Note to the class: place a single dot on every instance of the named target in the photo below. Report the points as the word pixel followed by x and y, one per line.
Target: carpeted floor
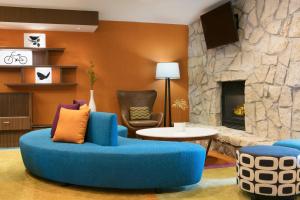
pixel 17 184
pixel 216 184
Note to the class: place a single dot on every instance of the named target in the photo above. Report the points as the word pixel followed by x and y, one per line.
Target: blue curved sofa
pixel 119 162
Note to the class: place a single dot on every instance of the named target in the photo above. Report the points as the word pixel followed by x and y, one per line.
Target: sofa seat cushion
pixel 143 123
pixel 133 164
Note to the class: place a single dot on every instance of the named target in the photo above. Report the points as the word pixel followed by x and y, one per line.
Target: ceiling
pixel 153 11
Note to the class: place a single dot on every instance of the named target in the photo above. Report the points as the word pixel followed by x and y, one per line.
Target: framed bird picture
pixel 43 75
pixel 35 40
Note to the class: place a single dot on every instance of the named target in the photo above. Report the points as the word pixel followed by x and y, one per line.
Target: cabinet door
pixel 15 123
pixel 15 104
pixel 15 111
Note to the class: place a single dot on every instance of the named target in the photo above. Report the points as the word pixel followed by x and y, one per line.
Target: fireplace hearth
pixel 233 100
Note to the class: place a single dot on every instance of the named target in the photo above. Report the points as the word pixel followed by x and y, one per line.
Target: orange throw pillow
pixel 84 106
pixel 71 126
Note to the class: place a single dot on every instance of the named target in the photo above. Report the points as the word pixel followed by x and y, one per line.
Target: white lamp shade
pixel 167 70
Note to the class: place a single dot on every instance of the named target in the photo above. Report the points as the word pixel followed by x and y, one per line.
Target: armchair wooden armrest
pixel 157 117
pixel 125 121
pixel 131 129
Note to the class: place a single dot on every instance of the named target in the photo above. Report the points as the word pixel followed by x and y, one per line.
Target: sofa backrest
pixel 102 129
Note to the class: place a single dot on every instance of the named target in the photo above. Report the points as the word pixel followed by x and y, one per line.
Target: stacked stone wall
pixel 267 57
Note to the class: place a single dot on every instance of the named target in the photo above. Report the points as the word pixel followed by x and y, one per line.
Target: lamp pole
pixel 167 103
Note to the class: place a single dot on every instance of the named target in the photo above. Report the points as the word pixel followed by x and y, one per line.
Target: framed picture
pixel 15 57
pixel 43 75
pixel 35 40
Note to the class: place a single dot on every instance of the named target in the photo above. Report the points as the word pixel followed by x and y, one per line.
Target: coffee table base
pixel 208 146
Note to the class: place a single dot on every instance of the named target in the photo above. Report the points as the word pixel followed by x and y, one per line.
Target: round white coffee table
pixel 174 134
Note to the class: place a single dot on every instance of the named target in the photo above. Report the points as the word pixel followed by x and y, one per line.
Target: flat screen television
pixel 219 26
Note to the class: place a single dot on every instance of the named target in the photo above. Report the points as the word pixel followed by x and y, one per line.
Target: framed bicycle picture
pixel 15 57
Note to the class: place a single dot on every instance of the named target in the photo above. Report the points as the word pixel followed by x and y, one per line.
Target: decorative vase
pixel 92 104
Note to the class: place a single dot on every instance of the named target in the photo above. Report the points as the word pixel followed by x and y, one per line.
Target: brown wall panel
pixel 50 16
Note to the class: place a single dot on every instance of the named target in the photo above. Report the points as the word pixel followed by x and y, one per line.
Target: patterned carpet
pixel 17 184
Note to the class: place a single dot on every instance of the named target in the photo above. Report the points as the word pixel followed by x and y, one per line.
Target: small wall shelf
pixel 40 58
pixel 33 49
pixel 24 85
pixel 31 66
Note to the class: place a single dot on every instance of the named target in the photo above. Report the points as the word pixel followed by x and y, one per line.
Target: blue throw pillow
pixel 103 129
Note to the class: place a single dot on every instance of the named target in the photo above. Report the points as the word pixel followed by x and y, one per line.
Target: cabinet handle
pixel 5 122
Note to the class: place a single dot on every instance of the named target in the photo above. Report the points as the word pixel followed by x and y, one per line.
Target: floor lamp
pixel 167 71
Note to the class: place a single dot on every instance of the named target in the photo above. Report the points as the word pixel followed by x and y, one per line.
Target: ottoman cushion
pixel 268 170
pixel 292 143
pixel 263 150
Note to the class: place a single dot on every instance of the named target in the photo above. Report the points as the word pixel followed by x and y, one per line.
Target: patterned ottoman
pixel 269 171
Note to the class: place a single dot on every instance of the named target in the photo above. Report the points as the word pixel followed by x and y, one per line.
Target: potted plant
pixel 180 105
pixel 92 79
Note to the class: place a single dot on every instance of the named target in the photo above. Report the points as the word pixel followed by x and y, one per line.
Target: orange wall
pixel 125 56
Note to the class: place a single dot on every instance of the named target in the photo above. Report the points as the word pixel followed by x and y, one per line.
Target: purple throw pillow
pixel 81 102
pixel 56 117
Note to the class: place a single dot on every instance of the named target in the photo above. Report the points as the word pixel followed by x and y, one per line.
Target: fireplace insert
pixel 233 100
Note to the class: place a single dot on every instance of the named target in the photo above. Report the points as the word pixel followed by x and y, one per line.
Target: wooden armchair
pixel 129 99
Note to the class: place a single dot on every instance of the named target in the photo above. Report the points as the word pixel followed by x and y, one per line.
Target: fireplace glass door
pixel 233 100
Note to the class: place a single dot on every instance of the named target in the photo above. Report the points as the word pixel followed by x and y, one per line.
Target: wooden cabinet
pixel 15 117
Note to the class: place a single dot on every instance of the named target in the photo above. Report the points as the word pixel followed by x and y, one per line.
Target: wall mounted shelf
pixel 34 66
pixel 40 84
pixel 33 49
pixel 40 58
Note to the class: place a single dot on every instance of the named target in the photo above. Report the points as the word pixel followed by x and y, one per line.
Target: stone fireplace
pixel 267 58
pixel 233 100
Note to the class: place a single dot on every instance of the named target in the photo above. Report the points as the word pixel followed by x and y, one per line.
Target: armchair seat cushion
pixel 143 123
